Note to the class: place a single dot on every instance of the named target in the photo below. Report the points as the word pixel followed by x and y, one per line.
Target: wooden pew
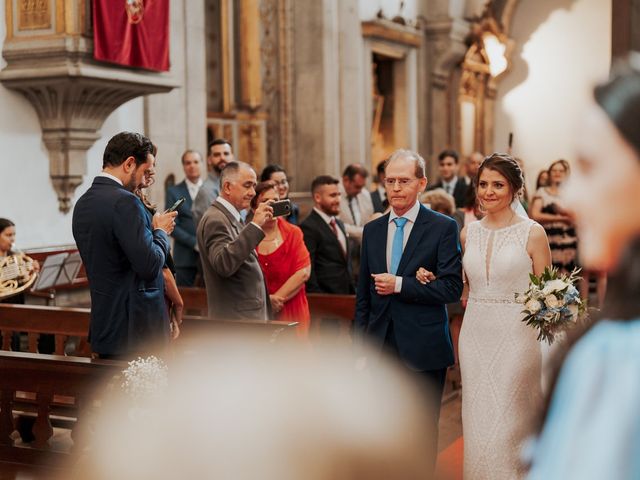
pixel 64 322
pixel 324 308
pixel 195 300
pixel 35 320
pixel 41 386
pixel 331 308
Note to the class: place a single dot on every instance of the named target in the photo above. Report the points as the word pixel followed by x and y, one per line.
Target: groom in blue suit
pixel 395 311
pixel 123 251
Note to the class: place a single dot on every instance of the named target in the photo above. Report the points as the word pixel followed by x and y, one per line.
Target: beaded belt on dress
pixel 491 299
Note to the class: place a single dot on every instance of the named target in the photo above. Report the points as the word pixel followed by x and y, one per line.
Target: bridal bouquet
pixel 551 303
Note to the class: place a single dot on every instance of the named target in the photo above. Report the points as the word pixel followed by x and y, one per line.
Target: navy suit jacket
pixel 184 234
pixel 123 258
pixel 418 312
pixel 330 268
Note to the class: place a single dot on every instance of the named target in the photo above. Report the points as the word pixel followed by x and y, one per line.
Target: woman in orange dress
pixel 285 263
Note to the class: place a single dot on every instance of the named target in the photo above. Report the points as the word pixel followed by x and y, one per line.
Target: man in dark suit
pixel 185 255
pixel 448 166
pixel 326 239
pixel 235 285
pixel 123 252
pixel 394 310
pixel 379 195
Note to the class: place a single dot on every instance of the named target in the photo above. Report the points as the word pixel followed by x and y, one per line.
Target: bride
pixel 500 359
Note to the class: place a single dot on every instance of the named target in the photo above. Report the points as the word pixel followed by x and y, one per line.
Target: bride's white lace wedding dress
pixel 499 355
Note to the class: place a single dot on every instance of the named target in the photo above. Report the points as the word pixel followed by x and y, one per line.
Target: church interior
pixel 314 86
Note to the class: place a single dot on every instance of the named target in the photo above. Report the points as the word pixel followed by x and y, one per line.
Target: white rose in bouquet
pixel 554 286
pixel 533 306
pixel 551 301
pixel 521 298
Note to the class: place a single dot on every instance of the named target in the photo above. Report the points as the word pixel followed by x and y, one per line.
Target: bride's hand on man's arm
pixel 424 276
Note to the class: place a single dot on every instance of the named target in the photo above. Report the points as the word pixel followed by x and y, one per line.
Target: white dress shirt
pixel 450 186
pixel 234 211
pixel 341 238
pixel 411 216
pixel 193 187
pixel 108 175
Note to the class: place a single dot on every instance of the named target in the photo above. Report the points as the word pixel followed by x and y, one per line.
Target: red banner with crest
pixel 132 32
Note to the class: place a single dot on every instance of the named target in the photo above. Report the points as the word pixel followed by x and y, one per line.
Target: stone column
pixel 355 93
pixel 316 106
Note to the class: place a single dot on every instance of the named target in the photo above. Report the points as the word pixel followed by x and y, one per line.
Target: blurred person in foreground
pixel 592 426
pixel 285 263
pixel 278 175
pixel 123 251
pixel 251 410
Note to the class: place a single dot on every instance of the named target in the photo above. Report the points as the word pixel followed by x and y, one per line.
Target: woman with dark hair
pixel 46 343
pixel 592 426
pixel 499 355
pixel 546 208
pixel 285 262
pixel 278 175
pixel 173 299
pixel 542 180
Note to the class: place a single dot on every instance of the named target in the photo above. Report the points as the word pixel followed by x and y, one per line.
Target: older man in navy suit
pixel 396 311
pixel 185 255
pixel 123 252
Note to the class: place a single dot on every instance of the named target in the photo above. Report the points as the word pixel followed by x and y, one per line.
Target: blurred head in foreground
pixel 254 410
pixel 604 189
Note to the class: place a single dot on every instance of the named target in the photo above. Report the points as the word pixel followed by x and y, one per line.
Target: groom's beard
pixel 131 184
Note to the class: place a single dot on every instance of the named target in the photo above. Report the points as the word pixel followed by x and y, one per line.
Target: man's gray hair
pixel 230 171
pixel 421 166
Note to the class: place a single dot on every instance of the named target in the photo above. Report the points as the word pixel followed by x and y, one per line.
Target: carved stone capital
pixel 448 37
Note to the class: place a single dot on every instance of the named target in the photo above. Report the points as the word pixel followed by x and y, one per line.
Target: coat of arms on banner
pixel 135 10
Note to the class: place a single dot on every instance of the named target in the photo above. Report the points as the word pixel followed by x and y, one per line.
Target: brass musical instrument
pixel 17 273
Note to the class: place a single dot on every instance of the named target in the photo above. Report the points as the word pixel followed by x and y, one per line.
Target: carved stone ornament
pixel 71 92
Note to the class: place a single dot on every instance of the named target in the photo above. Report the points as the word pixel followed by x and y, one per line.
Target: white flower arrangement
pixel 145 378
pixel 552 303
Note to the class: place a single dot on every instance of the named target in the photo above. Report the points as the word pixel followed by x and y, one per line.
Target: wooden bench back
pixel 74 322
pixel 36 320
pixel 46 385
pixel 325 309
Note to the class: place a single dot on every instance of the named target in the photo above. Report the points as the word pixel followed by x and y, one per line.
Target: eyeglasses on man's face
pixel 403 182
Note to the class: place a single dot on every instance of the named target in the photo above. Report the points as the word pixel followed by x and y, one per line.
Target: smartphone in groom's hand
pixel 176 205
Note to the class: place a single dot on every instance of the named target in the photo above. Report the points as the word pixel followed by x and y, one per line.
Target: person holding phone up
pixel 284 259
pixel 235 284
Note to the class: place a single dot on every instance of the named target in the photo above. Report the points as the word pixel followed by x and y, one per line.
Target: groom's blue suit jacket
pixel 123 258
pixel 419 311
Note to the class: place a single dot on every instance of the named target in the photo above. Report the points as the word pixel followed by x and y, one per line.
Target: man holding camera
pixel 232 275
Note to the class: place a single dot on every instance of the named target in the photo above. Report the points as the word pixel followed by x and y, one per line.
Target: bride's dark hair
pixel 506 166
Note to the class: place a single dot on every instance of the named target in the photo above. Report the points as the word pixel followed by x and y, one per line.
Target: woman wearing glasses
pixel 278 175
